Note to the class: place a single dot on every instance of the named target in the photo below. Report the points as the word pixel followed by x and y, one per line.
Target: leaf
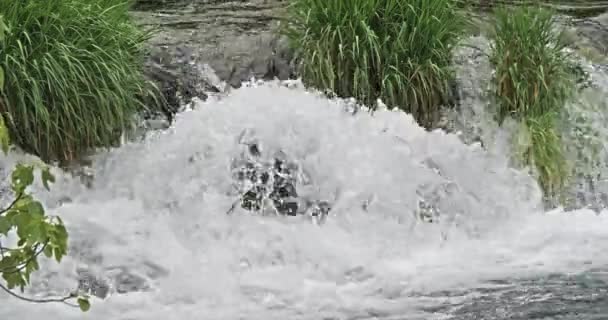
pixel 58 254
pixel 4 136
pixel 22 177
pixel 5 225
pixel 61 232
pixel 32 266
pixel 1 79
pixel 47 177
pixel 48 251
pixel 84 304
pixel 2 28
pixel 37 234
pixel 35 209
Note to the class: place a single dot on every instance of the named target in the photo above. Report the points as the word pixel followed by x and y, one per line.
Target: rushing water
pixel 153 225
pixel 157 209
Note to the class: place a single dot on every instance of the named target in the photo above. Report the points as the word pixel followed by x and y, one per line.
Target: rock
pixel 90 284
pixel 589 37
pixel 157 124
pixel 125 281
pixel 179 76
pixel 209 46
pixel 594 33
pixel 269 184
pixel 121 282
pixel 120 279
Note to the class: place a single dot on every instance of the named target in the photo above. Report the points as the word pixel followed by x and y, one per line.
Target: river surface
pixel 156 213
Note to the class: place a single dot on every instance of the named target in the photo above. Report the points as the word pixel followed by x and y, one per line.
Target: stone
pixel 590 34
pixel 204 47
pixel 119 279
pixel 271 184
pixel 90 284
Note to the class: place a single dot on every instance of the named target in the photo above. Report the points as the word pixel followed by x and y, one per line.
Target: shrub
pixel 533 83
pixel 396 50
pixel 73 74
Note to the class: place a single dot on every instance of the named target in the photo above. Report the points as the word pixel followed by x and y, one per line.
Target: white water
pixel 163 202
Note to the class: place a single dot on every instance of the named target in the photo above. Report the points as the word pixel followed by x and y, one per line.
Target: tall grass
pixel 73 74
pixel 533 82
pixel 396 50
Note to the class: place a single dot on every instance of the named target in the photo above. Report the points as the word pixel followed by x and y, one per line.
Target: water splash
pixel 582 125
pixel 585 136
pixel 153 228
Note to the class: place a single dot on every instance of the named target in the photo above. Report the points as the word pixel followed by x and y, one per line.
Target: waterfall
pixel 416 221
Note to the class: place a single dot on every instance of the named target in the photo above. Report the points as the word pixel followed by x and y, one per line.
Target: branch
pixel 60 300
pixel 12 204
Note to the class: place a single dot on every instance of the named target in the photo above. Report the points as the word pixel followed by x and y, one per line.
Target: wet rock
pixel 90 284
pixel 206 47
pixel 271 185
pixel 126 281
pixel 589 36
pixel 179 75
pixel 119 279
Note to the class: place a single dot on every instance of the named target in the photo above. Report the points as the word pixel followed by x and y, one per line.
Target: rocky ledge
pixel 204 46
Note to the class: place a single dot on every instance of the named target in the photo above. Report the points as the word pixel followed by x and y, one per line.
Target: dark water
pixel 582 296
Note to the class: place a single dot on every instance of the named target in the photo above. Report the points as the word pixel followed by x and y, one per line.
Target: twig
pixel 52 300
pixel 12 204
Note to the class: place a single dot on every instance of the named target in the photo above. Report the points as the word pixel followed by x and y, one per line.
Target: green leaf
pixel 36 209
pixel 22 221
pixel 47 177
pixel 4 136
pixel 31 266
pixel 1 79
pixel 48 251
pixel 37 234
pixel 22 177
pixel 5 225
pixel 58 254
pixel 2 28
pixel 62 233
pixel 84 304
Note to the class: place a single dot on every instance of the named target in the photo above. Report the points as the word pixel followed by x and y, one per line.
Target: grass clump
pixel 533 82
pixel 73 74
pixel 395 50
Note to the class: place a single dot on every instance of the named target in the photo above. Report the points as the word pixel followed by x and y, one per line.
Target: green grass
pixel 396 50
pixel 542 148
pixel 73 74
pixel 533 82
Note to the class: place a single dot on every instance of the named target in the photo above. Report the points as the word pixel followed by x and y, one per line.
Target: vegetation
pixel 24 219
pixel 72 74
pixel 533 81
pixel 395 50
pixel 37 234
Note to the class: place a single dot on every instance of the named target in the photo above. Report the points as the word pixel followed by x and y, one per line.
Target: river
pixel 154 221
